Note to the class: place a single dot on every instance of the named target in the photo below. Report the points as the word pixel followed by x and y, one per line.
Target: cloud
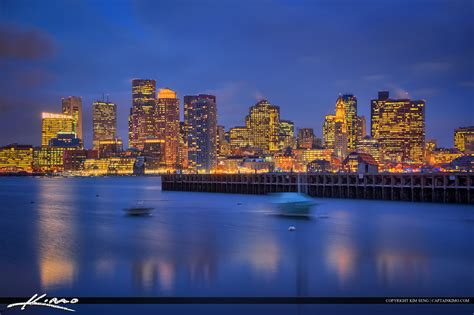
pixel 431 66
pixel 425 92
pixel 259 95
pixel 25 44
pixel 226 92
pixel 467 84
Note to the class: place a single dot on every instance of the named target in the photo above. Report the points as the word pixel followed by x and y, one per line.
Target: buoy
pixel 291 228
pixel 239 203
pixel 97 195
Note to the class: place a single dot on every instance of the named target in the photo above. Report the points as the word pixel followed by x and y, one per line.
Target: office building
pixel 200 119
pixel 464 139
pixel 143 118
pixel 16 158
pixel 53 123
pixel 399 126
pixel 263 123
pixel 104 122
pixel 168 126
pixel 72 106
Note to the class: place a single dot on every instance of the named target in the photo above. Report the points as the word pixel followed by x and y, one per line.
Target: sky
pixel 300 55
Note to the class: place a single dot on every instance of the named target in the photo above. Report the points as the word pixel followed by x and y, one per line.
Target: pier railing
pixel 432 187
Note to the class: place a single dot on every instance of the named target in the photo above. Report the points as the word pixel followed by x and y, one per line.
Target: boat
pixel 139 210
pixel 293 203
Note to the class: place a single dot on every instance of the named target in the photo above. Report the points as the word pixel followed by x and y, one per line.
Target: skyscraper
pixel 399 126
pixel 305 138
pixel 72 105
pixel 200 119
pixel 239 137
pixel 352 120
pixel 341 138
pixel 335 130
pixel 167 106
pixel 287 134
pixel 52 124
pixel 104 122
pixel 142 122
pixel 263 123
pixel 375 106
pixel 328 132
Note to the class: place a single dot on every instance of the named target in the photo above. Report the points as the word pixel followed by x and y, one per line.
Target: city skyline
pixel 288 58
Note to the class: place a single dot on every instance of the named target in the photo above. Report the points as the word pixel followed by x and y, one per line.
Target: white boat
pixel 293 203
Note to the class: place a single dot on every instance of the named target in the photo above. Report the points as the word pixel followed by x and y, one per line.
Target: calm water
pixel 70 237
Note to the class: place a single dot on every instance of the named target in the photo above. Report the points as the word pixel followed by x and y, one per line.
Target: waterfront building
pixel 153 152
pixel 73 160
pixel 48 159
pixel 287 163
pixel 143 118
pixel 53 123
pixel 109 166
pixel 104 122
pixel 306 138
pixel 318 166
pixel 200 119
pixel 263 123
pixel 370 146
pixel 16 158
pixel 305 156
pixel 399 126
pixel 239 137
pixel 168 126
pixel 440 156
pixel 72 106
pixel 287 134
pixel 361 163
pixel 464 139
pixel 110 148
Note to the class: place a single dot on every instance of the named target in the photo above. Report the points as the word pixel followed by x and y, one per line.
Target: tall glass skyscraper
pixel 72 105
pixel 167 107
pixel 263 123
pixel 142 122
pixel 200 119
pixel 104 122
pixel 399 126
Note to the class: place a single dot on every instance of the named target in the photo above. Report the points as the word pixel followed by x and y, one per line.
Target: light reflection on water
pixel 75 240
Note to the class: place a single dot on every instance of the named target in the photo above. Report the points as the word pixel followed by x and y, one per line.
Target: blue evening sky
pixel 298 54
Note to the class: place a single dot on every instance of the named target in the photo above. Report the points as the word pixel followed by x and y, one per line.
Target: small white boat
pixel 293 203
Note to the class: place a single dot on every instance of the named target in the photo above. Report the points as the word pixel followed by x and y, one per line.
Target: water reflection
pixel 390 264
pixel 206 244
pixel 56 236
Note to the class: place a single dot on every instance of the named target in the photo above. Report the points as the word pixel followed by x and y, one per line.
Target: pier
pixel 436 187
